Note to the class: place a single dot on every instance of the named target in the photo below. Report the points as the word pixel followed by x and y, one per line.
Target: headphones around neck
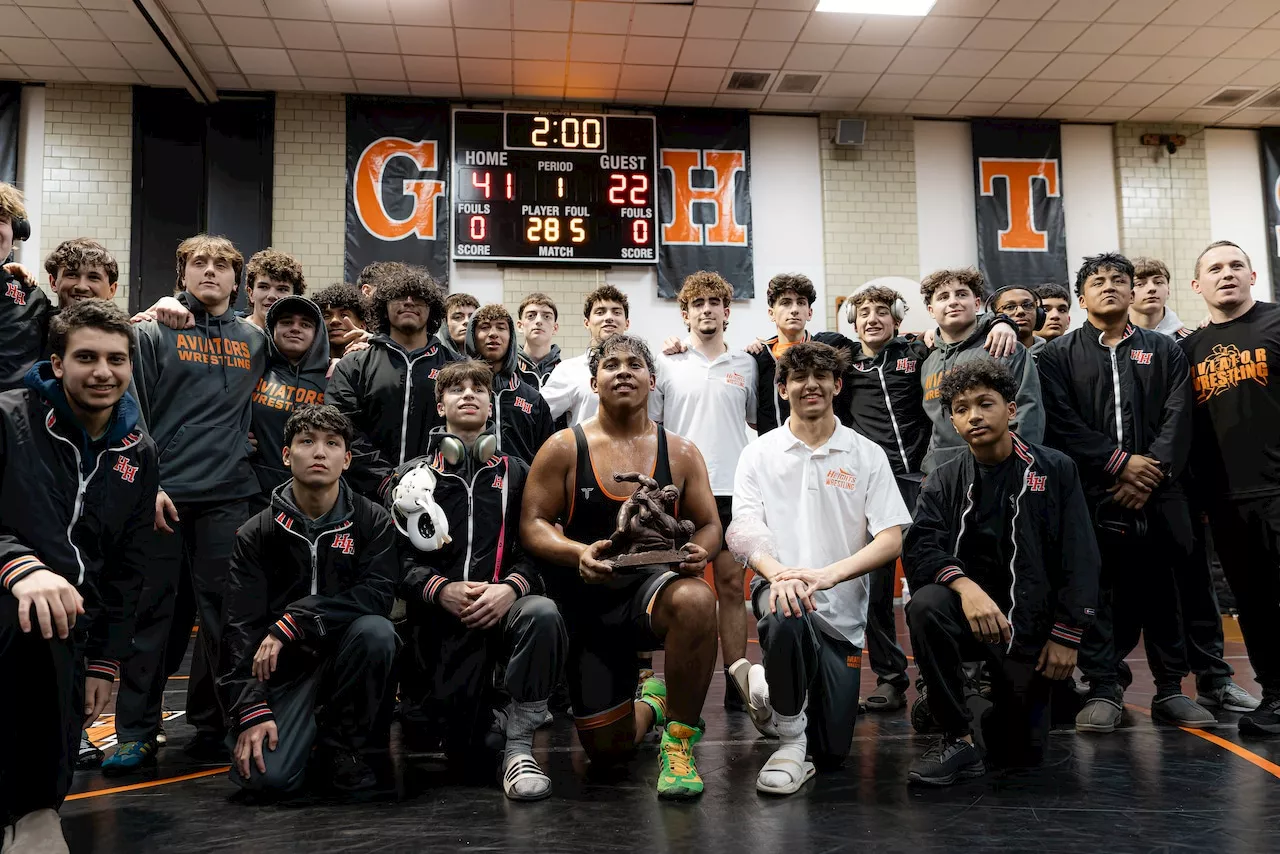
pixel 454 450
pixel 897 309
pixel 1041 316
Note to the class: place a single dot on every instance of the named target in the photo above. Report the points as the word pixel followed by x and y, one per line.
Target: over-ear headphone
pixel 454 450
pixel 1041 316
pixel 21 228
pixel 897 308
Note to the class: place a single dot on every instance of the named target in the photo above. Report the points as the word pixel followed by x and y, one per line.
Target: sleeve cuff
pixel 103 668
pixel 431 590
pixel 518 583
pixel 1065 635
pixel 1115 465
pixel 948 574
pixel 253 715
pixel 285 629
pixel 19 568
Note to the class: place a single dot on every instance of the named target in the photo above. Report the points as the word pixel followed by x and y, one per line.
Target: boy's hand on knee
pixel 55 600
pixel 249 747
pixel 490 605
pixel 985 619
pixel 1056 661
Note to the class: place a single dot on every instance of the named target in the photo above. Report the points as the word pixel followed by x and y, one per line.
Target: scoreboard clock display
pixel 554 187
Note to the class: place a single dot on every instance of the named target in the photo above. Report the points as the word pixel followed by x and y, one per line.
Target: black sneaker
pixel 948 760
pixel 346 772
pixel 733 701
pixel 207 747
pixel 89 756
pixel 1264 720
pixel 921 718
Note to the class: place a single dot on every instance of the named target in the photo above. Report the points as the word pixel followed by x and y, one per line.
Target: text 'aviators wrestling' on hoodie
pixel 521 419
pixel 195 387
pixel 945 441
pixel 284 386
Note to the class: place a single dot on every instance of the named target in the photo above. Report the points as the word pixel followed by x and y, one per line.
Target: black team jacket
pixel 887 401
pixel 80 508
pixel 24 328
pixel 1050 588
pixel 521 419
pixel 771 409
pixel 302 581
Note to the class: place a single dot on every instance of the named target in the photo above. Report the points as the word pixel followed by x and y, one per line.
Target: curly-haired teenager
pixel 347 315
pixel 271 275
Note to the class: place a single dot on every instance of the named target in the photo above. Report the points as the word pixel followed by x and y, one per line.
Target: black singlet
pixel 593 510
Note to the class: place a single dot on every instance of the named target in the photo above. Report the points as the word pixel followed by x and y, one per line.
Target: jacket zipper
pixel 408 396
pixel 466 565
pixel 1013 560
pixel 312 547
pixel 82 486
pixel 964 516
pixel 1115 387
pixel 893 419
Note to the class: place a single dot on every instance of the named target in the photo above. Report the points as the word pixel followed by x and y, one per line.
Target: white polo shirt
pixel 821 507
pixel 710 403
pixel 568 389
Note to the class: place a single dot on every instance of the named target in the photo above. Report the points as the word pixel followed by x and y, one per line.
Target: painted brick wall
pixel 869 205
pixel 88 169
pixel 308 206
pixel 567 286
pixel 1164 205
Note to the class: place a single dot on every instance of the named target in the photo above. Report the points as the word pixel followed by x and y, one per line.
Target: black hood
pixel 509 363
pixel 317 355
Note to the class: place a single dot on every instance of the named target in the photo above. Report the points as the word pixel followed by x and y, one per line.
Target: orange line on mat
pixel 149 784
pixel 1243 752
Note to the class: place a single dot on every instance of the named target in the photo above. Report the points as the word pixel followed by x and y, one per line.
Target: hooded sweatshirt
pixel 195 387
pixel 536 371
pixel 443 339
pixel 521 418
pixel 1172 326
pixel 285 386
pixel 945 441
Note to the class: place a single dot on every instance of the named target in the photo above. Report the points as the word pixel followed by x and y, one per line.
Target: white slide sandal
pixel 523 780
pixel 798 774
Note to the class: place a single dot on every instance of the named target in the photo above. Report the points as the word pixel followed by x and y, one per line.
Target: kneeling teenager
pixel 305 620
pixel 1003 569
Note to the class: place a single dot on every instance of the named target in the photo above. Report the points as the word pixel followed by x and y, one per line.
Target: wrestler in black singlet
pixel 608 623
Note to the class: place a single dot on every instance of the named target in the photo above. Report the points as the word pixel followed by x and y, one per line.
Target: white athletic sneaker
pixel 758 701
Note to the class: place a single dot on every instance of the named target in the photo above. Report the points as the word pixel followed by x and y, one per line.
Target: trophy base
pixel 636 560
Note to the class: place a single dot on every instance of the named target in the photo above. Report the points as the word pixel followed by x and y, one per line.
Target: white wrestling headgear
pixel 415 512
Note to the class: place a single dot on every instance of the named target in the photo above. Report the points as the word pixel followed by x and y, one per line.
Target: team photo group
pixel 396 516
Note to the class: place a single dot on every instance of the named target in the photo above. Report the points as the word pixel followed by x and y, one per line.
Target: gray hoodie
pixel 195 386
pixel 446 343
pixel 945 441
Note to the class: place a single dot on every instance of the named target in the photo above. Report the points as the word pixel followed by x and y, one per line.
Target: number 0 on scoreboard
pixel 554 187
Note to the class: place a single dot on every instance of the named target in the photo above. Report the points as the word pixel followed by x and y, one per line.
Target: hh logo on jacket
pixel 15 293
pixel 344 544
pixel 525 406
pixel 1036 482
pixel 127 472
pixel 1142 357
pixel 907 366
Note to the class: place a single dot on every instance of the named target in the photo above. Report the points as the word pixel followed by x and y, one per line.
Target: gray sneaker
pixel 1099 715
pixel 1229 697
pixel 1181 710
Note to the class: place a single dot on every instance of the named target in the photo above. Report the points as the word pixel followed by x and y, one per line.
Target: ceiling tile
pixel 689 99
pixel 841 85
pixel 418 13
pixel 1258 44
pixel 1104 38
pixel 224 80
pixel 708 53
pixel 898 86
pixel 787 103
pixel 360 11
pixel 963 8
pixel 1186 95
pixel 1072 66
pixel 248 32
pixel 1208 42
pixel 382 87
pixel 1156 114
pixel 427 41
pixel 1121 69
pixel 596 75
pixel 1203 116
pixel 947 88
pixel 541 45
pixel 1068 111
pixel 307 10
pixel 1221 70
pixel 835 105
pixel 831 28
pixel 1078 10
pixel 1030 10
pixel 1042 91
pixel 739 101
pixel 919 60
pixel 708 23
pixel 330 84
pixel 589 93
pixel 320 63
pixel 17 24
pixel 142 57
pixel 32 51
pixel 64 23
pixel 548 93
pixel 588 47
pixel 1136 95
pixel 641 96
pixel 162 78
pixel 1022 111
pixel 994 89
pixel 1111 114
pixel 553 15
pixel 376 66
pixel 484 44
pixel 539 73
pixel 431 69
pixel 1134 11
pixel 367 38
pixel 1245 13
pixel 976 109
pixel 814 57
pixel 241 8
pixel 1157 40
pixel 308 35
pixel 486 90
pixel 197 29
pixel 994 34
pixel 195 7
pixel 99 54
pixel 942 32
pixel 434 90
pixel 757 54
pixel 1052 35
pixel 883 105
pixel 1022 65
pixel 862 59
pixel 1265 73
pixel 647 50
pixel 920 107
pixel 1193 12
pixel 645 77
pixel 773 25
pixel 669 21
pixel 971 63
pixel 490 71
pixel 275 83
pixel 1090 93
pixel 483 14
pixel 886 29
pixel 212 58
pixel 1171 69
pixel 262 60
pixel 696 80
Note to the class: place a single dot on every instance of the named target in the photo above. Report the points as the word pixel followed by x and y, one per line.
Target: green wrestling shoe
pixel 678 775
pixel 653 693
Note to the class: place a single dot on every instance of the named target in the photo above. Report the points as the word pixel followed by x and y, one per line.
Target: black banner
pixel 704 198
pixel 397 184
pixel 1271 200
pixel 10 108
pixel 1022 234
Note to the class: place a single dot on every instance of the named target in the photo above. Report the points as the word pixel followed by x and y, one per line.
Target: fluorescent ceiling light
pixel 909 8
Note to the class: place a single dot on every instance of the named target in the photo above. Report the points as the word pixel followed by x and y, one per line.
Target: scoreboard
pixel 554 187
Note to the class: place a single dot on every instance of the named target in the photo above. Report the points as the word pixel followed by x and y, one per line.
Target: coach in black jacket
pixel 305 619
pixel 1003 568
pixel 1118 402
pixel 474 604
pixel 78 482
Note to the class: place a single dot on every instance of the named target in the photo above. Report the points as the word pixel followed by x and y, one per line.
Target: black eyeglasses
pixel 1007 307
